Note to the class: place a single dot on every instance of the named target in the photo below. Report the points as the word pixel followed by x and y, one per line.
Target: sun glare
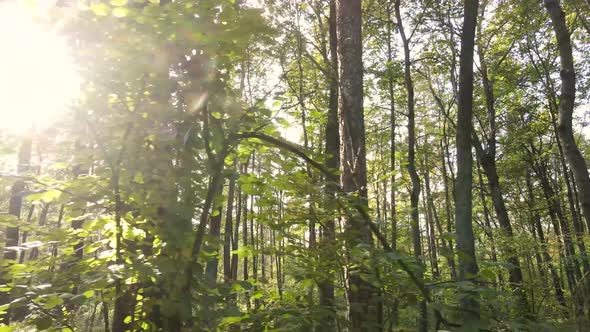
pixel 37 76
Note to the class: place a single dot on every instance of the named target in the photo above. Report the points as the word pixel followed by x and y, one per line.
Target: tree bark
pixel 361 295
pixel 487 158
pixel 415 179
pixel 228 229
pixel 468 268
pixel 214 234
pixel 332 148
pixel 566 105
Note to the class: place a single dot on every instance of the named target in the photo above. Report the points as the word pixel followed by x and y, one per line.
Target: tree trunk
pixel 228 229
pixel 463 202
pixel 361 295
pixel 14 209
pixel 546 257
pixel 326 286
pixel 415 179
pixel 487 158
pixel 392 125
pixel 449 216
pixel 214 234
pixel 566 105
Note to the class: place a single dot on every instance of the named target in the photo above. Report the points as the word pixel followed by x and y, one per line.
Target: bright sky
pixel 37 77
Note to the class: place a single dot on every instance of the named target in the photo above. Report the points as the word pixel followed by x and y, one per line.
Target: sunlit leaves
pixel 100 9
pixel 120 12
pixel 118 2
pixel 45 196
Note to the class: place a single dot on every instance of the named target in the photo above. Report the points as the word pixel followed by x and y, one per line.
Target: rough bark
pixel 361 295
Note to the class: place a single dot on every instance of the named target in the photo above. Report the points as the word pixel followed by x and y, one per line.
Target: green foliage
pixel 124 214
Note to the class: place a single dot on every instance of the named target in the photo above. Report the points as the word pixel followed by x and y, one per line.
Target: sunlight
pixel 37 76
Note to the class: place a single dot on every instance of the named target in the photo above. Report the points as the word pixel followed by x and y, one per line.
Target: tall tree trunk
pixel 362 296
pixel 546 257
pixel 326 286
pixel 415 179
pixel 449 216
pixel 228 228
pixel 488 224
pixel 566 105
pixel 392 125
pixel 435 218
pixel 430 235
pixel 561 229
pixel 487 158
pixel 463 202
pixel 577 223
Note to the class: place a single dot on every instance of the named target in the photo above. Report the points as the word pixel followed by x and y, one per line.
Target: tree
pixel 361 295
pixel 463 201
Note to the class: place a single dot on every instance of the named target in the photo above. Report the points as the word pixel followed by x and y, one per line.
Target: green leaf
pixel 46 196
pixel 43 323
pixel 6 329
pixel 88 294
pixel 215 213
pixel 120 12
pixel 53 302
pixel 257 295
pixel 118 3
pixel 127 320
pixel 100 9
pixel 233 320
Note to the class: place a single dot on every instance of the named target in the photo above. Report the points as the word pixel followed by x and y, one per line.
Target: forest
pixel 295 165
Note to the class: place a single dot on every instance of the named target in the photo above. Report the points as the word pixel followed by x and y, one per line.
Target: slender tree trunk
pixel 565 129
pixel 487 158
pixel 561 229
pixel 228 229
pixel 326 286
pixel 392 125
pixel 434 219
pixel 430 236
pixel 449 216
pixel 25 235
pixel 488 224
pixel 566 105
pixel 415 179
pixel 42 220
pixel 546 257
pixel 468 268
pixel 14 209
pixel 214 234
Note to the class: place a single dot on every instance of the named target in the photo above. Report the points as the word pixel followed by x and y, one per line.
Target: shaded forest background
pixel 306 165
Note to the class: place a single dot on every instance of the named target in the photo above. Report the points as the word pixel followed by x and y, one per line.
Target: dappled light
pixel 294 165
